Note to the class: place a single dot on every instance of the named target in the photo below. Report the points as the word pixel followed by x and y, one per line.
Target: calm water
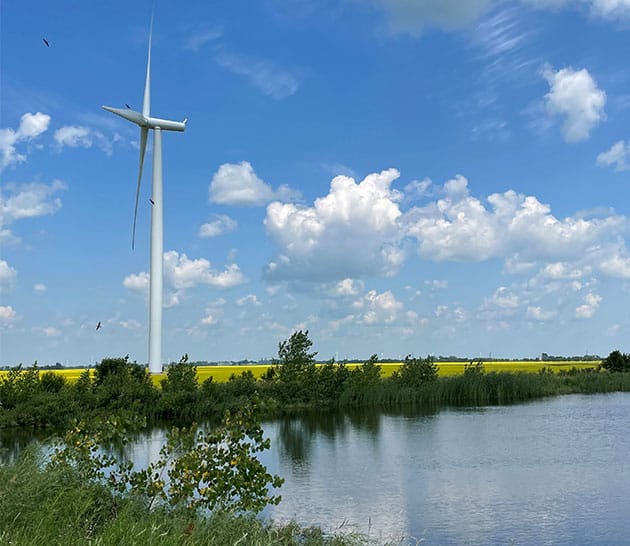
pixel 549 472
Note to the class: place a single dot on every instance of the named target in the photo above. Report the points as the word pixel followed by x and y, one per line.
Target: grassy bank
pixel 57 506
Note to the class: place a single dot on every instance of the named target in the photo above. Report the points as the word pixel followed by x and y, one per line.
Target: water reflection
pixel 549 472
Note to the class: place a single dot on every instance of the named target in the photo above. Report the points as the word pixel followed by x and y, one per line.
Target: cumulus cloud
pixel 617 264
pixel 351 232
pixel 8 276
pixel 379 308
pixel 574 96
pixel 271 80
pixel 618 155
pixel 538 313
pixel 19 201
pixel 7 313
pixel 237 184
pixel 221 223
pixel 137 282
pixel 460 227
pixel 79 136
pixel 347 287
pixel 182 273
pixel 31 126
pixel 591 303
pixel 250 299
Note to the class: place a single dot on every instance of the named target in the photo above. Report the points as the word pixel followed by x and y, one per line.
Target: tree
pixel 416 372
pixel 296 372
pixel 617 362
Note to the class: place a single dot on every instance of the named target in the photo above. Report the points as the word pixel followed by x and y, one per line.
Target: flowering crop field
pixel 223 373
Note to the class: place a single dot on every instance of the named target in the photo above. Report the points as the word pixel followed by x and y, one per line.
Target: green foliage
pixel 474 369
pixel 617 361
pixel 180 391
pixel 119 384
pixel 55 505
pixel 216 468
pixel 296 371
pixel 367 375
pixel 416 372
pixel 330 382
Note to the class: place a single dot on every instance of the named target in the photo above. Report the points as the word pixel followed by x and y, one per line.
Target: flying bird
pixel 46 42
pixel 152 202
pixel 128 106
pixel 98 326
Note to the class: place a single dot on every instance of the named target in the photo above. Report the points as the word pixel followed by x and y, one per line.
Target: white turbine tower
pixel 146 122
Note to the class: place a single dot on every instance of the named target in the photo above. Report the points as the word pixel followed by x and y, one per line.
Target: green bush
pixel 416 372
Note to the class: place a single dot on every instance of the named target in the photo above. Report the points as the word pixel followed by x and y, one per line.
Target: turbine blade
pixel 146 104
pixel 129 115
pixel 144 131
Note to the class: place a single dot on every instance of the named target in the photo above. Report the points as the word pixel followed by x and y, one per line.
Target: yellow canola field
pixel 223 373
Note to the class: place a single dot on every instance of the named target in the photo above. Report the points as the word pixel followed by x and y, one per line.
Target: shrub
pixel 617 362
pixel 416 372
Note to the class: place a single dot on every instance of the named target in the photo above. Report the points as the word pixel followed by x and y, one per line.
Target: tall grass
pixel 53 506
pixel 493 388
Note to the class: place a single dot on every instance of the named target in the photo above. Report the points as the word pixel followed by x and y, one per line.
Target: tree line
pixel 35 398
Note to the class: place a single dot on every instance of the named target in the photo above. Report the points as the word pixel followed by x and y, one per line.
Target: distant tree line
pixel 33 397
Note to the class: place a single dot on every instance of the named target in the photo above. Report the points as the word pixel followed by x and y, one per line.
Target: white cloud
pixel 18 201
pixel 8 276
pixel 47 331
pixel 616 265
pixel 574 96
pixel 221 223
pixel 437 284
pixel 7 313
pixel 347 287
pixel 264 75
pixel 503 298
pixel 31 126
pixel 39 288
pixel 619 155
pixel 79 136
pixel 137 282
pixel 591 303
pixel 538 313
pixel 561 270
pixel 250 299
pixel 182 273
pixel 610 9
pixel 380 308
pixel 237 184
pixel 460 227
pixel 209 319
pixel 197 39
pixel 351 232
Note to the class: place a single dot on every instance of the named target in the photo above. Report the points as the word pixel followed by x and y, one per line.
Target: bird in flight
pixel 152 202
pixel 46 42
pixel 98 326
pixel 128 106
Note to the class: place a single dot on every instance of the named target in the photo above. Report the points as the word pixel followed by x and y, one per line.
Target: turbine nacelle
pixel 148 121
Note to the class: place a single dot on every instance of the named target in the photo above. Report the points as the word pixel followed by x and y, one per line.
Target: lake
pixel 555 471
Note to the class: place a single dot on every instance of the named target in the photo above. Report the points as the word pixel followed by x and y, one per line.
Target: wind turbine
pixel 145 122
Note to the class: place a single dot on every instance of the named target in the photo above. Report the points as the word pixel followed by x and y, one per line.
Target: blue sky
pixel 396 176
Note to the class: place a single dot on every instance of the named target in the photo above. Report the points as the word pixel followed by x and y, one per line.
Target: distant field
pixel 223 373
